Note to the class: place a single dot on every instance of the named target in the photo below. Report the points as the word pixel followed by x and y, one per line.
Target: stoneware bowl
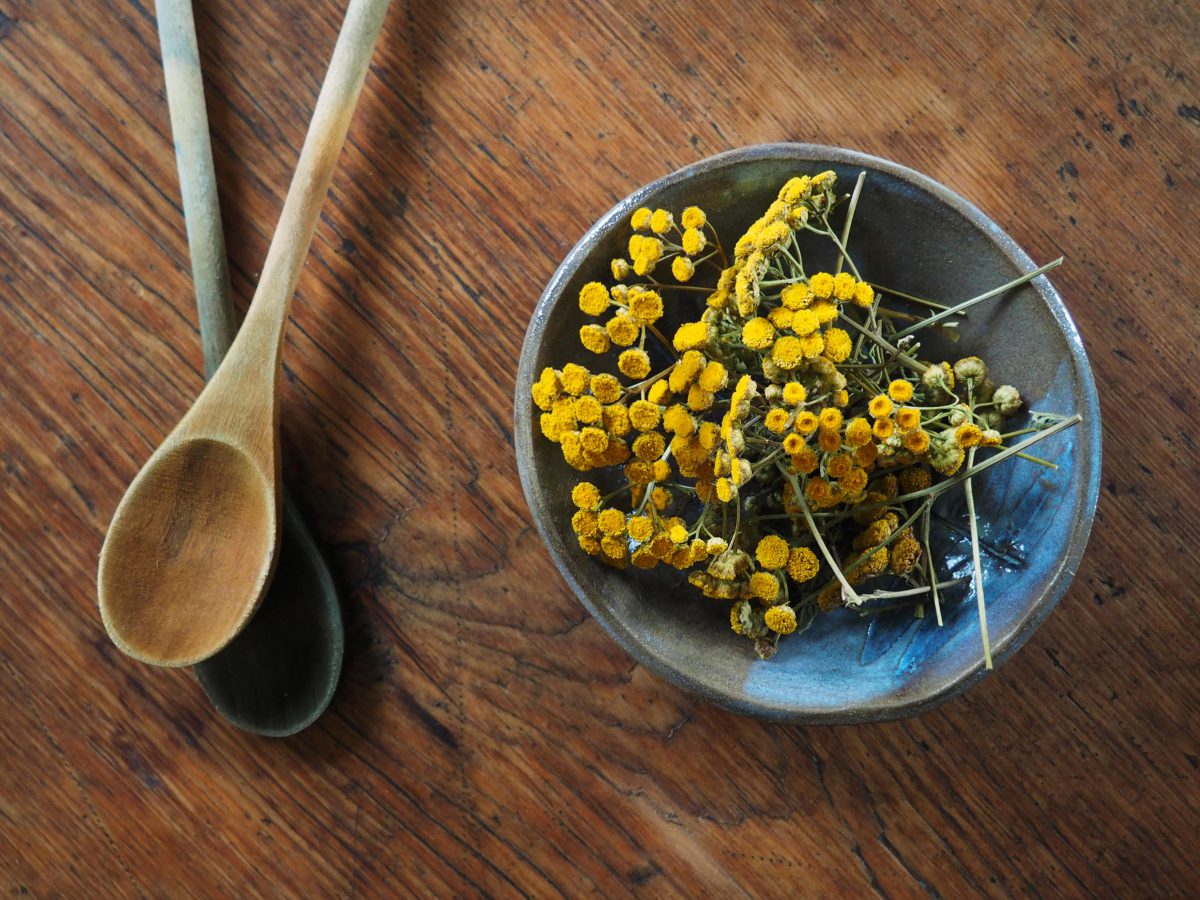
pixel 913 234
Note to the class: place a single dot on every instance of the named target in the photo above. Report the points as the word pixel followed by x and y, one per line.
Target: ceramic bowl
pixel 913 234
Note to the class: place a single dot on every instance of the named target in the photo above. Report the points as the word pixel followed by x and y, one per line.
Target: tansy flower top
pixel 772 552
pixel 837 344
pixel 693 242
pixel 693 217
pixel 806 422
pixel 794 393
pixel 821 285
pixel 585 495
pixel 691 336
pixel 593 298
pixel 908 418
pixel 682 268
pixel 764 586
pixel 802 564
pixel 661 221
pixel 880 406
pixel 780 619
pixel 830 419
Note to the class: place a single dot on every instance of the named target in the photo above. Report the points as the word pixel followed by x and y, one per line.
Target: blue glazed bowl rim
pixel 910 702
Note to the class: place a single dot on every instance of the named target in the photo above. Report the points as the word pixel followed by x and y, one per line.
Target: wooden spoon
pixel 193 542
pixel 279 674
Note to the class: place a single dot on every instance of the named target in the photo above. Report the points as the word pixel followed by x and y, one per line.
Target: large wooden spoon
pixel 193 543
pixel 279 674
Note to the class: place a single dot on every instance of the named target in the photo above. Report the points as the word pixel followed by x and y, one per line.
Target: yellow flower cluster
pixel 732 575
pixel 657 238
pixel 645 540
pixel 784 404
pixel 634 310
pixel 790 336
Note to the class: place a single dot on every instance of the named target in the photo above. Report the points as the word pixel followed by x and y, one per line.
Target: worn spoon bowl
pixel 200 524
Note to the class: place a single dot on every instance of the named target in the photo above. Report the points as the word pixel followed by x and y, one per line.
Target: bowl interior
pixel 914 235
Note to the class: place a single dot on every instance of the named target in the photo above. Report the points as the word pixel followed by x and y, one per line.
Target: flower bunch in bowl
pixel 785 440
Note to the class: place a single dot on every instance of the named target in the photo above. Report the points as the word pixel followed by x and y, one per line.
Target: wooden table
pixel 488 737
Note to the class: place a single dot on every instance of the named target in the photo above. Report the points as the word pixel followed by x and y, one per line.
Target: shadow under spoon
pixel 279 674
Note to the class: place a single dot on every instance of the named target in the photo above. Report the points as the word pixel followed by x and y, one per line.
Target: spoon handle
pixel 322 145
pixel 197 179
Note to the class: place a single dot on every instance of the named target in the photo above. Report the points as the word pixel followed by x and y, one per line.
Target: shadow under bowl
pixel 912 234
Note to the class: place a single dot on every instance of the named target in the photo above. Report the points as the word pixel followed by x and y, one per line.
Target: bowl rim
pixel 893 707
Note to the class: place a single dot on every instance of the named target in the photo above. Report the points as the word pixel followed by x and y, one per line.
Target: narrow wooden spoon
pixel 193 542
pixel 279 674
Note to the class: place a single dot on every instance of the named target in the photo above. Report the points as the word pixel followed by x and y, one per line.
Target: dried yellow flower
pixel 821 285
pixel 781 619
pixel 634 363
pixel 772 552
pixel 593 298
pixel 802 564
pixel 585 495
pixel 764 586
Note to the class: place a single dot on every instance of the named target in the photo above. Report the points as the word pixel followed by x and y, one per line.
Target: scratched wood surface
pixel 488 737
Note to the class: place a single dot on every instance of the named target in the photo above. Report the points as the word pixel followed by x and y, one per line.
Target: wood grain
pixel 488 737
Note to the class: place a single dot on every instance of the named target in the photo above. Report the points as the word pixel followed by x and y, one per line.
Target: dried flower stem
pixel 933 583
pixel 1038 460
pixel 898 354
pixel 816 533
pixel 911 592
pixel 849 218
pixel 978 568
pixel 986 295
pixel 881 289
pixel 828 232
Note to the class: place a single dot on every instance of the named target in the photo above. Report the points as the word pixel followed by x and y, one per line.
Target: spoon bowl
pixel 194 536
